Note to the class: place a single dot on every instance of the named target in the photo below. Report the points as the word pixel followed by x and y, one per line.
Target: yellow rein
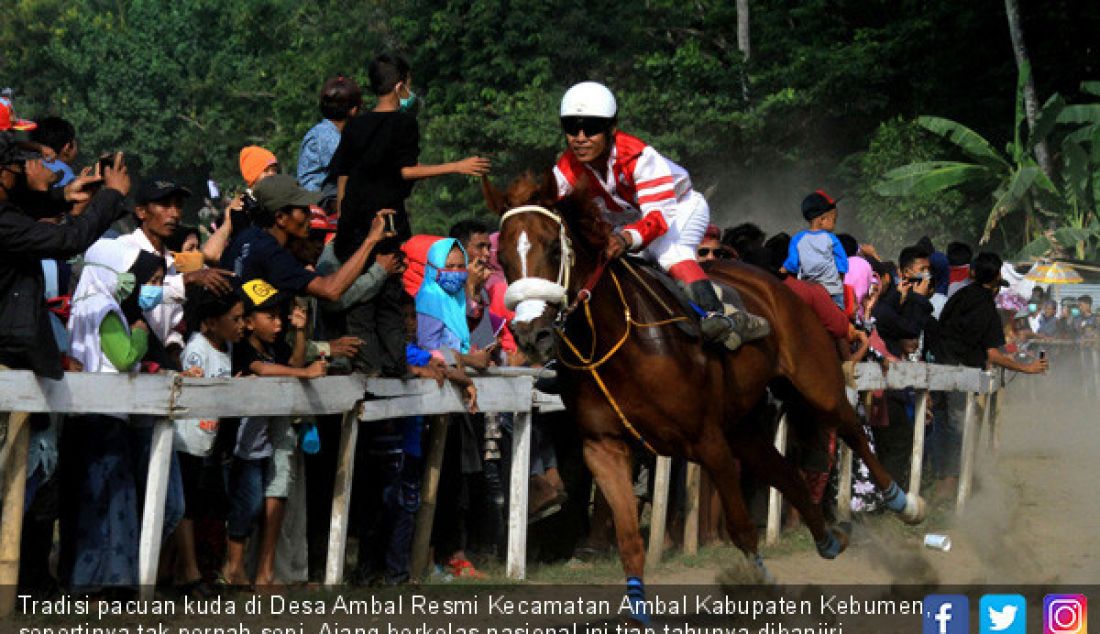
pixel 590 366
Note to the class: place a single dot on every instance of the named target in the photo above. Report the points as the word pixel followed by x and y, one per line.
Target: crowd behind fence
pixel 361 400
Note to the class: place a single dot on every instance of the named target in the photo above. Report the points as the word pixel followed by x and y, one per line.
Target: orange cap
pixel 254 160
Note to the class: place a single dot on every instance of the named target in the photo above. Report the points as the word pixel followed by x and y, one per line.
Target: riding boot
pixel 715 325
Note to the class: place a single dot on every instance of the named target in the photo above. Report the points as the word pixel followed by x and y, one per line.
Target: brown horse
pixel 627 368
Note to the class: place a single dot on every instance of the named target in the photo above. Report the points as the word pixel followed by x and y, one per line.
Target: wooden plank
pixel 966 471
pixel 775 500
pixel 844 485
pixel 156 492
pixel 15 488
pixel 341 499
pixel 916 459
pixel 425 516
pixel 692 488
pixel 658 518
pixel 494 394
pixel 516 562
pixel 547 402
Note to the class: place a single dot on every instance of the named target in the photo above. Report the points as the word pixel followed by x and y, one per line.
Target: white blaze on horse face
pixel 523 245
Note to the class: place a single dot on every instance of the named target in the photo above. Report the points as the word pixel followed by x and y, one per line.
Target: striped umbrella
pixel 1053 273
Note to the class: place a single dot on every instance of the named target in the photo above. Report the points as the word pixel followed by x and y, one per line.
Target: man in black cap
pixel 282 213
pixel 26 341
pixel 158 210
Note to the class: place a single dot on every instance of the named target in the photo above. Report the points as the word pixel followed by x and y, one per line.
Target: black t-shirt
pixel 244 354
pixel 256 254
pixel 969 327
pixel 373 148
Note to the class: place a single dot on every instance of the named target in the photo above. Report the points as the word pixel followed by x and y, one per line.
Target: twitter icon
pixel 1003 614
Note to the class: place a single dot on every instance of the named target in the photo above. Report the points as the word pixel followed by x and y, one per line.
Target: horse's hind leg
pixel 609 461
pixel 759 455
pixel 909 507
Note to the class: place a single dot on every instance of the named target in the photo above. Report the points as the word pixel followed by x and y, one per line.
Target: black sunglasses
pixel 717 251
pixel 591 126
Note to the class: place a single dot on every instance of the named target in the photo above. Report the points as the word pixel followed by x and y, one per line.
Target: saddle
pixel 651 272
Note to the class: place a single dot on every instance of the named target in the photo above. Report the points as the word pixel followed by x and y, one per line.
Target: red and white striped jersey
pixel 641 188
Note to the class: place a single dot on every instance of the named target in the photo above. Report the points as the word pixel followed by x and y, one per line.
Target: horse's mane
pixel 585 221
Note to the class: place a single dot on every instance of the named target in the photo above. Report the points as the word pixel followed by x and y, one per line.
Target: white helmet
pixel 589 99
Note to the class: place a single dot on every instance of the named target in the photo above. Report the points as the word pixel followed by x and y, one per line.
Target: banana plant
pixel 1013 177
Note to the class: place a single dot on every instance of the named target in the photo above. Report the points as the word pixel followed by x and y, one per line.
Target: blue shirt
pixel 818 256
pixel 57 166
pixel 315 153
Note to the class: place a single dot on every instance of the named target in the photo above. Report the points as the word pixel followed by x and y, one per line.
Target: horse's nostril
pixel 543 335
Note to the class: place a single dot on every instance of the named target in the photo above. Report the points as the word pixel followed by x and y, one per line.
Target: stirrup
pixel 750 327
pixel 717 327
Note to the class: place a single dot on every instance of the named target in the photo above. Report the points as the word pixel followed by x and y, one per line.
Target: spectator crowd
pixel 319 273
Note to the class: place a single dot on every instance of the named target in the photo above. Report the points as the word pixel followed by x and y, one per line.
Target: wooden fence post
pixel 694 478
pixel 341 499
pixel 15 488
pixel 916 461
pixel 775 500
pixel 969 440
pixel 516 564
pixel 425 516
pixel 658 518
pixel 156 492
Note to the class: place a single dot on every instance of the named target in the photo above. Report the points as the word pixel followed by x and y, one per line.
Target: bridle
pixel 528 296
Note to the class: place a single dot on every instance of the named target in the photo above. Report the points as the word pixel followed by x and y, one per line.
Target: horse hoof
pixel 915 509
pixel 765 574
pixel 834 543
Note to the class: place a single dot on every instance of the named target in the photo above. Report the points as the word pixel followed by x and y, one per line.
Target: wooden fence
pixel 359 399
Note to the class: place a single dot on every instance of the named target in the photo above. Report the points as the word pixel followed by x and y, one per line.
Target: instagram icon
pixel 1065 614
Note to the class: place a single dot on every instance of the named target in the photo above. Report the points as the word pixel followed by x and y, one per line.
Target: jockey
pixel 650 202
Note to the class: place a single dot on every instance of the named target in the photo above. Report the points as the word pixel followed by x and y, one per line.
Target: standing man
pixel 25 338
pixel 340 101
pixel 971 334
pixel 158 211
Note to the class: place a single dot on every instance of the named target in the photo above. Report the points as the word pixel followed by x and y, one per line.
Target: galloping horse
pixel 628 368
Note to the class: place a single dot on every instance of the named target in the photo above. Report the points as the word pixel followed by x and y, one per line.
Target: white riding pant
pixel 685 232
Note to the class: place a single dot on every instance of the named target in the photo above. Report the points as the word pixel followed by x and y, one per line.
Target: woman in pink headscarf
pixel 499 315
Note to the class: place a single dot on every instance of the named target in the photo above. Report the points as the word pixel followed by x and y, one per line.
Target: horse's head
pixel 545 246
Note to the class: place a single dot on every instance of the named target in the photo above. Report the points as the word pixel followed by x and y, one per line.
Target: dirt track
pixel 1034 516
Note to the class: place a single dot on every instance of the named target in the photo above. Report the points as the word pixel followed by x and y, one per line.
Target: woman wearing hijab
pixel 100 527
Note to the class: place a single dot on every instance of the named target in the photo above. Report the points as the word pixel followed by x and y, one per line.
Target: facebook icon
pixel 946 614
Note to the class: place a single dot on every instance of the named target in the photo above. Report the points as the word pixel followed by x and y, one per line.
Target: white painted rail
pixel 170 396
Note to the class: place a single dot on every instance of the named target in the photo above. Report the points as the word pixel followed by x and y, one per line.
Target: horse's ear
pixel 494 198
pixel 548 195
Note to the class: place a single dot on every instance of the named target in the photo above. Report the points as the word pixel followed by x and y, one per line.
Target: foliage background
pixel 182 85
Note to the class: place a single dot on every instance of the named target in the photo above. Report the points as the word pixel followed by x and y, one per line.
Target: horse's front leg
pixel 609 461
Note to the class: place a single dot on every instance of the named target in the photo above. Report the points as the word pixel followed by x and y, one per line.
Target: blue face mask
pixel 406 102
pixel 1076 312
pixel 1032 308
pixel 452 281
pixel 150 296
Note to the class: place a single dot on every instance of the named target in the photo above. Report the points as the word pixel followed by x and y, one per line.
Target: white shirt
pixel 165 317
pixel 194 436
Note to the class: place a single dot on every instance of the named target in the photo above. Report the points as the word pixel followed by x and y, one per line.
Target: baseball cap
pixel 257 294
pixel 817 204
pixel 8 120
pixel 158 189
pixel 281 190
pixel 12 151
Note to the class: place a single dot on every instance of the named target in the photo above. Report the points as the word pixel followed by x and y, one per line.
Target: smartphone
pixel 390 227
pixel 105 161
pixel 1042 355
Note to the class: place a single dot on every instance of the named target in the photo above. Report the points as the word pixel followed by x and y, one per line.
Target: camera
pixel 248 204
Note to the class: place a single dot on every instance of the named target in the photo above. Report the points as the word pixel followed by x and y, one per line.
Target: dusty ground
pixel 1034 516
